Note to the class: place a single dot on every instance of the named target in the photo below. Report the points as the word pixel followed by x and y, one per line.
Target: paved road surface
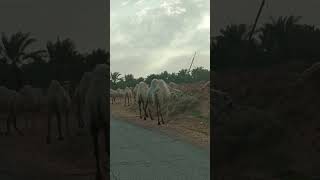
pixel 142 154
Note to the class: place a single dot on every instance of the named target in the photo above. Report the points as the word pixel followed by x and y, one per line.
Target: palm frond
pixel 35 54
pixel 27 43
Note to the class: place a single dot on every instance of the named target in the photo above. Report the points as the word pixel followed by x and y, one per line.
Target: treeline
pixel 183 76
pixel 277 41
pixel 59 60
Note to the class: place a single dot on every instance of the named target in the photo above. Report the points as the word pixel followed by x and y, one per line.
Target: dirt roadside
pixel 30 157
pixel 186 127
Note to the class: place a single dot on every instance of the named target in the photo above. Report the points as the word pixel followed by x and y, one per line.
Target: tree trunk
pixel 18 77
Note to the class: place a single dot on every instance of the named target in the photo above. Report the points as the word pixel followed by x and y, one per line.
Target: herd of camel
pixel 154 98
pixel 88 102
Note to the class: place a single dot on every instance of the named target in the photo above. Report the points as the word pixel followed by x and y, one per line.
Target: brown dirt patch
pixel 187 127
pixel 29 156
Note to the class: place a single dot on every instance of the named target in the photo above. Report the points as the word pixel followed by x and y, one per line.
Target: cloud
pixel 124 3
pixel 46 19
pixel 205 23
pixel 152 34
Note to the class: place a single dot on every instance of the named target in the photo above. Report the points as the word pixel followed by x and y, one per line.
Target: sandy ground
pixel 184 126
pixel 30 157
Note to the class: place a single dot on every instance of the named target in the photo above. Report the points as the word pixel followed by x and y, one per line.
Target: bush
pixel 182 103
pixel 247 130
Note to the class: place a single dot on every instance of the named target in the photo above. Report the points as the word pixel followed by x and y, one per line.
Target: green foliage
pixel 183 104
pixel 14 50
pixel 65 62
pixel 276 41
pixel 200 74
pixel 61 52
pixel 97 56
pixel 183 76
pixel 197 114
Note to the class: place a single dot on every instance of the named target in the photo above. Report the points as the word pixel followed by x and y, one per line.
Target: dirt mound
pixel 258 87
pixel 278 121
pixel 194 98
pixel 194 88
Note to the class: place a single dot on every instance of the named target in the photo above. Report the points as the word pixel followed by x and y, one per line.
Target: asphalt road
pixel 138 153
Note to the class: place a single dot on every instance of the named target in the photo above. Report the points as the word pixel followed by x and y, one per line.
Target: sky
pixel 225 12
pixel 152 36
pixel 85 22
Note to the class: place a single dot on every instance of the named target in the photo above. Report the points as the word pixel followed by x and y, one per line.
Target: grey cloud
pixel 184 61
pixel 130 65
pixel 234 11
pixel 84 22
pixel 154 39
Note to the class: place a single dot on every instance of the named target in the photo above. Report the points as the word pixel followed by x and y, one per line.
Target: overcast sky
pixel 85 22
pixel 151 36
pixel 225 12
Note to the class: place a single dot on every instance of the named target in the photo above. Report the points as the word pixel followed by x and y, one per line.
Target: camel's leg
pixel 150 114
pixel 79 114
pixel 26 120
pixel 157 105
pixel 139 102
pixel 67 122
pixel 161 115
pixel 106 136
pixel 145 111
pixel 58 113
pixel 8 124
pixel 31 119
pixel 49 127
pixel 96 153
pixel 14 119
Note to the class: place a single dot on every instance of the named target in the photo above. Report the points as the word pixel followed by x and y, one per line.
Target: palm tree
pixel 129 80
pixel 184 76
pixel 140 79
pixel 115 77
pixel 98 56
pixel 164 76
pixel 275 35
pixel 13 50
pixel 200 74
pixel 63 56
pixel 61 52
pixel 232 46
pixel 234 33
